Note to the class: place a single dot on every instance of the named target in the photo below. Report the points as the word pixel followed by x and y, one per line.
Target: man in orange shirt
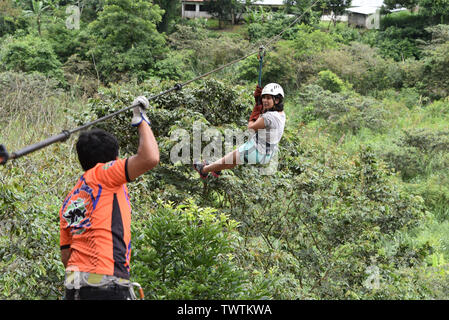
pixel 95 217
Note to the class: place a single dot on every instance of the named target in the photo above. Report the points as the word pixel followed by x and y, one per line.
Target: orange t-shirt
pixel 95 221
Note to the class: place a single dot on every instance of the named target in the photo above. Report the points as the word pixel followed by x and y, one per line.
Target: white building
pixel 366 13
pixel 194 9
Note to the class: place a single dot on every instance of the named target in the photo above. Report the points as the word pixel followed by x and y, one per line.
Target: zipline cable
pixel 65 134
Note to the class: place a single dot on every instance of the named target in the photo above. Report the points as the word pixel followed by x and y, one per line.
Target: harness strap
pixel 77 279
pixel 268 146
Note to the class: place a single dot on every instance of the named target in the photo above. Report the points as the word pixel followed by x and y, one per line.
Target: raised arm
pixel 147 156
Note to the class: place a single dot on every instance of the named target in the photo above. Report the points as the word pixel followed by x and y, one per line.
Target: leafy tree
pixel 30 268
pixel 64 41
pixel 171 13
pixel 187 252
pixel 125 39
pixel 436 8
pixel 337 7
pixel 37 10
pixel 225 9
pixel 310 10
pixel 30 54
pixel 9 17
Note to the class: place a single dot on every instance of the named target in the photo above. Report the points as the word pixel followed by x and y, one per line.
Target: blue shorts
pixel 249 154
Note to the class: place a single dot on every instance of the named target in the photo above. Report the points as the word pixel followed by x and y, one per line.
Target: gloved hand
pixel 257 110
pixel 257 94
pixel 141 103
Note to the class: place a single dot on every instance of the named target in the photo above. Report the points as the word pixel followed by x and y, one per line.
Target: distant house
pixel 197 8
pixel 194 9
pixel 365 17
pixel 366 13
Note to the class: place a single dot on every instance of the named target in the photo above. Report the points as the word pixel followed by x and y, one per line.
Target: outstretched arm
pixel 147 156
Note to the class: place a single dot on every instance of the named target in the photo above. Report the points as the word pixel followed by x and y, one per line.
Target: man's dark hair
pixel 96 146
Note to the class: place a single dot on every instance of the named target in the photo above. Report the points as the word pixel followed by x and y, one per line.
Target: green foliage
pixel 344 112
pixel 436 68
pixel 30 54
pixel 125 39
pixel 172 68
pixel 271 26
pixel 187 252
pixel 317 190
pixel 435 8
pixel 37 11
pixel 10 18
pixel 309 41
pixel 338 7
pixel 420 151
pixel 310 13
pixel 363 67
pixel 249 68
pixel 64 41
pixel 398 44
pixel 224 9
pixel 171 14
pixel 409 4
pixel 330 81
pixel 30 267
pixel 404 19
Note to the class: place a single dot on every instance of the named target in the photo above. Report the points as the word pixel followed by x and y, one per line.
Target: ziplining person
pixel 268 122
pixel 95 217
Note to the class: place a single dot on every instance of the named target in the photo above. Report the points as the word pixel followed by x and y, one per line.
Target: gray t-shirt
pixel 267 139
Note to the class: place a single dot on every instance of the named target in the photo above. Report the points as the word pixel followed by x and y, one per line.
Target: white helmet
pixel 274 89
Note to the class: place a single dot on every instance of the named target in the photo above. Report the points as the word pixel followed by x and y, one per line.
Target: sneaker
pixel 198 166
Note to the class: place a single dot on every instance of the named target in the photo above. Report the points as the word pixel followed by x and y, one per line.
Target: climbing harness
pixel 65 134
pixel 75 280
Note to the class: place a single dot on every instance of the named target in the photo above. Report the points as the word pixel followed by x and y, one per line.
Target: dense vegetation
pixel 357 205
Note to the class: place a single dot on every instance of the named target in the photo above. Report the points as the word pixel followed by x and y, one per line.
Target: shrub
pixel 124 39
pixel 273 25
pixel 343 112
pixel 363 67
pixel 63 40
pixel 30 267
pixel 330 81
pixel 28 54
pixel 187 252
pixel 309 41
pixel 419 152
pixel 436 68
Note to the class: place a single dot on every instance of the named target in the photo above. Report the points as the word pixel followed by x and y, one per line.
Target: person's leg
pixel 229 161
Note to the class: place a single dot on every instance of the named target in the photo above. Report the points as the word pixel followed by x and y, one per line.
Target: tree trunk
pixel 39 26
